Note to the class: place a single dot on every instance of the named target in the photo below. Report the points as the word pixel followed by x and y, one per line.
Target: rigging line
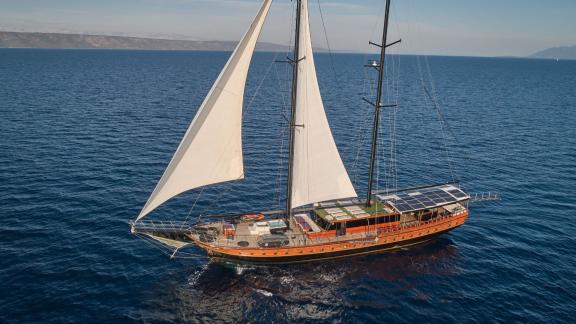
pixel 386 145
pixel 429 100
pixel 393 153
pixel 163 249
pixel 452 137
pixel 435 98
pixel 288 69
pixel 291 29
pixel 393 162
pixel 376 25
pixel 272 63
pixel 359 127
pixel 420 114
pixel 361 135
pixel 443 123
pixel 280 168
pixel 328 44
pixel 391 97
pixel 389 170
pixel 380 157
pixel 194 205
pixel 148 241
pixel 226 188
pixel 369 83
pixel 383 138
pixel 283 129
pixel 247 107
pixel 282 135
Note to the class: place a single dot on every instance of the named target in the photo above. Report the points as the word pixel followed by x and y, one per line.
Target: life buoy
pixel 253 217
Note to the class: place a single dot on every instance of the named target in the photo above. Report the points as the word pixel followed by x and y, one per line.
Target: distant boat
pixel 323 218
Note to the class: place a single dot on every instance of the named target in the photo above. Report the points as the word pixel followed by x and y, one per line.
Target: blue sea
pixel 86 134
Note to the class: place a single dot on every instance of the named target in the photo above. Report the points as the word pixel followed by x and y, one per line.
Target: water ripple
pixel 86 135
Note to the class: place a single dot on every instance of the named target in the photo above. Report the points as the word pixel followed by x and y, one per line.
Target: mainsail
pixel 318 171
pixel 211 150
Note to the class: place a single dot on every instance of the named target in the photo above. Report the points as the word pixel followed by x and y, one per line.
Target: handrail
pixel 484 196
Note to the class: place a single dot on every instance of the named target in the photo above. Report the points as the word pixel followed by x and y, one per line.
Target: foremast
pixel 292 121
pixel 378 104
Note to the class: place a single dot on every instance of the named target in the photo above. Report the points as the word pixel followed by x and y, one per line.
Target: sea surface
pixel 86 134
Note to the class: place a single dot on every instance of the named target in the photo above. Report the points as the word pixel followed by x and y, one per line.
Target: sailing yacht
pixel 324 218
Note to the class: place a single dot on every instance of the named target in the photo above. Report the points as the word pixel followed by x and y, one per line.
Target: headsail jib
pixel 211 150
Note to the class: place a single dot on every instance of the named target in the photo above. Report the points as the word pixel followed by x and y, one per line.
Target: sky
pixel 439 27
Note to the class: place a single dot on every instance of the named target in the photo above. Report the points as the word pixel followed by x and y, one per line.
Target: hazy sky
pixel 454 27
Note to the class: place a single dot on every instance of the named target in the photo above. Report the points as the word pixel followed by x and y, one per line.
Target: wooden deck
pixel 294 234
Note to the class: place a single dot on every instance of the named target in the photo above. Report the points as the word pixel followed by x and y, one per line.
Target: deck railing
pixel 484 196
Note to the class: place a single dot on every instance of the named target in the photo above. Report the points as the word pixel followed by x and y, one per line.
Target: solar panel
pixel 457 193
pixel 401 206
pixel 425 198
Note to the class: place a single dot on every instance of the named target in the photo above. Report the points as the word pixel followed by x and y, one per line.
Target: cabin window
pixel 357 223
pixel 386 219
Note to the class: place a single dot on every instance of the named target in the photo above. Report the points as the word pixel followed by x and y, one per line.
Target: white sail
pixel 211 150
pixel 318 171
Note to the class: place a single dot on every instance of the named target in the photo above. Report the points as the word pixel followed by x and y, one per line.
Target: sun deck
pixel 343 211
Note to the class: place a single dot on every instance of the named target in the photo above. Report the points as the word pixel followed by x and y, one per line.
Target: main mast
pixel 377 105
pixel 292 122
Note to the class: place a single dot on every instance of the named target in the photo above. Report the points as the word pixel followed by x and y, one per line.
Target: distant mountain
pixel 562 53
pixel 53 40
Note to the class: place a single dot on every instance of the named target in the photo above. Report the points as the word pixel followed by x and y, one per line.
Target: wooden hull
pixel 385 241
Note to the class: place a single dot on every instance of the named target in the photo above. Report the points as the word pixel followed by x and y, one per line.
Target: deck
pixel 244 239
